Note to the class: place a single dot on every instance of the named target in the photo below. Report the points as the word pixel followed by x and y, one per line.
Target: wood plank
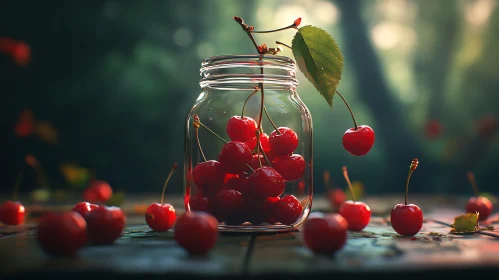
pixel 138 251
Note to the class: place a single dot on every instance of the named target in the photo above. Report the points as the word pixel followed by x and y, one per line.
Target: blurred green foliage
pixel 117 78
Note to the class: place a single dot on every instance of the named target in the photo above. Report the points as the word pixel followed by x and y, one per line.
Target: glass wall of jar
pixel 249 186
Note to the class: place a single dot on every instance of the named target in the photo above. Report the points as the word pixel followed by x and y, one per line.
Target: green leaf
pixel 466 223
pixel 319 59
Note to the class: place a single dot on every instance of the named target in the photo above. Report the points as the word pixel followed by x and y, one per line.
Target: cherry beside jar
pixel 252 175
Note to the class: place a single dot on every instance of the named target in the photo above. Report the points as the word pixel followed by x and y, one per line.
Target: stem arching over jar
pixel 254 172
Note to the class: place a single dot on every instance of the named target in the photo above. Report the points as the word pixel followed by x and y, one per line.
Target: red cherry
pixel 240 184
pixel 234 157
pixel 98 192
pixel 196 232
pixel 261 210
pixel 208 175
pixel 241 129
pixel 356 213
pixel 433 129
pixel 337 197
pixel 287 210
pixel 264 140
pixel 479 204
pixel 290 167
pixel 199 202
pixel 284 143
pixel 12 213
pixel 325 233
pixel 266 181
pixel 358 142
pixel 105 224
pixel 254 161
pixel 227 202
pixel 160 217
pixel 407 219
pixel 83 208
pixel 62 233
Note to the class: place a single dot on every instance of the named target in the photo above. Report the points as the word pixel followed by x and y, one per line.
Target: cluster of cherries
pixel 245 184
pixel 88 222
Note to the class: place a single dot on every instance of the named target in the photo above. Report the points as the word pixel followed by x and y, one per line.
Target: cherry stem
pixel 345 174
pixel 196 131
pixel 414 165
pixel 197 121
pixel 17 186
pixel 471 178
pixel 246 101
pixel 270 120
pixel 281 43
pixel 258 146
pixel 264 155
pixel 349 109
pixel 207 128
pixel 293 25
pixel 166 182
pixel 327 175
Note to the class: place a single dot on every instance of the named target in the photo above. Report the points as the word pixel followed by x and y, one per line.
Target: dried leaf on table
pixel 490 228
pixel 466 223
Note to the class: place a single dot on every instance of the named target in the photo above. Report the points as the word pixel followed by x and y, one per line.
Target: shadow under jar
pixel 249 187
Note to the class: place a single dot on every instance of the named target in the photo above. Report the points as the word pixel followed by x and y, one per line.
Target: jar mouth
pixel 249 69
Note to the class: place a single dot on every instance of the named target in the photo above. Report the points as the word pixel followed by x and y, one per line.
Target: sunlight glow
pixel 286 14
pixel 479 11
pixel 386 35
pixel 326 12
pixel 182 37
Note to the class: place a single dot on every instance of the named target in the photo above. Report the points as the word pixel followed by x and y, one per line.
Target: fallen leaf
pixel 76 176
pixel 466 223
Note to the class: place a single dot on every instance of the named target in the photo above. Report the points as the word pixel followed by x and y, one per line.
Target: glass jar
pixel 222 171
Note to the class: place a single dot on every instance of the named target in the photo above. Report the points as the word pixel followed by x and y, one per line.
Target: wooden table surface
pixel 378 250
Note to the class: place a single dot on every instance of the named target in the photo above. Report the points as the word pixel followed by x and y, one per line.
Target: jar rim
pixel 276 58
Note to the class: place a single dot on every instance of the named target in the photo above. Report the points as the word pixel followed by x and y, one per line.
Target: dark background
pixel 116 79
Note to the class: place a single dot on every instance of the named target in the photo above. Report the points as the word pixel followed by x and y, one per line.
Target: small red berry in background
pixel 283 141
pixel 62 233
pixel 12 213
pixel 478 203
pixel 287 210
pixel 433 129
pixel 337 197
pixel 83 208
pixel 357 214
pixel 18 50
pixel 241 128
pixel 359 139
pixel 325 233
pixel 105 224
pixel 196 232
pixel 407 219
pixel 487 126
pixel 98 191
pixel 159 216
